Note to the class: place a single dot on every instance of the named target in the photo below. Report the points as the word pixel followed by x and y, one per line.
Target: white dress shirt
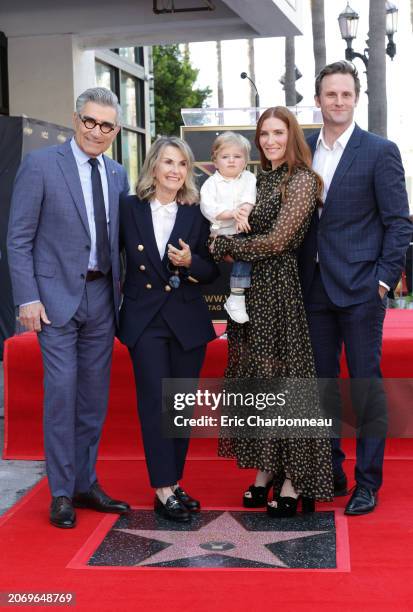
pixel 326 159
pixel 219 194
pixel 163 220
pixel 85 175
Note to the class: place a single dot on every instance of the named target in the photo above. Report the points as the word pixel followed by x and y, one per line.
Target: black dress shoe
pixel 172 510
pixel 96 499
pixel 362 501
pixel 340 486
pixel 62 513
pixel 191 504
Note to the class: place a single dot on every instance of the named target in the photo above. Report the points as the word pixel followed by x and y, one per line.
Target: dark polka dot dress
pixel 275 343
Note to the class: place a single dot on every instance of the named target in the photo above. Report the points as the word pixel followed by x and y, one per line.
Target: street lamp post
pixel 391 28
pixel 348 22
pixel 244 75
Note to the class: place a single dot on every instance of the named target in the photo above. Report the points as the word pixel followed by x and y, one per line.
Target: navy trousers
pixel 157 355
pixel 360 328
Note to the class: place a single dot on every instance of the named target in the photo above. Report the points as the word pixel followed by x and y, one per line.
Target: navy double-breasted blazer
pixel 364 229
pixel 146 289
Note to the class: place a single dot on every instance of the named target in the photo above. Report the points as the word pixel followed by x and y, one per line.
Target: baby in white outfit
pixel 227 198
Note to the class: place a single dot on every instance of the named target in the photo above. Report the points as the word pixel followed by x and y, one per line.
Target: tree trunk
pixel 251 69
pixel 219 75
pixel 376 73
pixel 290 93
pixel 319 37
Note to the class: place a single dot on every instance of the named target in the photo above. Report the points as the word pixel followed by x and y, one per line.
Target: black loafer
pixel 340 486
pixel 97 499
pixel 172 510
pixel 190 503
pixel 362 501
pixel 62 513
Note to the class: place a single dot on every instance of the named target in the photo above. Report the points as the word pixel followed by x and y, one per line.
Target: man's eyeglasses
pixel 90 123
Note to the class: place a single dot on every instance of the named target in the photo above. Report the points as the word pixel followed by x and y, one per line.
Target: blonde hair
pixel 146 187
pixel 230 138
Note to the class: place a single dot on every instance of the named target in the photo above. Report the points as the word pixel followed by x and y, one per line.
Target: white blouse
pixel 163 220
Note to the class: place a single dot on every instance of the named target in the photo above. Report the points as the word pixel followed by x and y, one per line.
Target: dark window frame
pixel 4 77
pixel 138 54
pixel 139 129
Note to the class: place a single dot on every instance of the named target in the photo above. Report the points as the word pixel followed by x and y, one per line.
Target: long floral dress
pixel 275 343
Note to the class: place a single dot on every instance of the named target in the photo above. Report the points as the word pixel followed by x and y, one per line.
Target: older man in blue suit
pixel 351 257
pixel 64 265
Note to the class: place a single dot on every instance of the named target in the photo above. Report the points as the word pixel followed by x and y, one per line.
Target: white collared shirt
pixel 163 220
pixel 85 175
pixel 219 194
pixel 326 159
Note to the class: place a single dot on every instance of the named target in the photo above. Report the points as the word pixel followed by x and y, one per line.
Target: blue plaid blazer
pixel 364 230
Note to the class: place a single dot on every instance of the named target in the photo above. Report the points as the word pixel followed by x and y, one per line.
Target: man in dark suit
pixel 351 257
pixel 409 264
pixel 64 265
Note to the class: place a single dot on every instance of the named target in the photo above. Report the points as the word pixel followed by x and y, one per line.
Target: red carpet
pixel 38 557
pixel 121 439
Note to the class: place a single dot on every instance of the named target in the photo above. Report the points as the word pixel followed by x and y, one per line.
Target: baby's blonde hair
pixel 231 138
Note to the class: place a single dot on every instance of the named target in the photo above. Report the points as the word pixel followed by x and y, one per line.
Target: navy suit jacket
pixel 146 288
pixel 48 241
pixel 364 229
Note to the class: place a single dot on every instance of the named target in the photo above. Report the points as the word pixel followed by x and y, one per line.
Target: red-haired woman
pixel 275 343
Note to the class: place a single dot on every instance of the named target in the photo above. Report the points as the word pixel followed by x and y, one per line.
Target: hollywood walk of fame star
pixel 225 536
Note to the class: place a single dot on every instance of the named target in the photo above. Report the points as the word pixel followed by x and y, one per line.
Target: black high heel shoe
pixel 287 506
pixel 258 497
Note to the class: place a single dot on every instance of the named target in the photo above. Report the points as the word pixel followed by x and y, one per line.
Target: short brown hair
pixel 341 67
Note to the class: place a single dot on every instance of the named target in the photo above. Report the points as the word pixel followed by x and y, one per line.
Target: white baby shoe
pixel 235 307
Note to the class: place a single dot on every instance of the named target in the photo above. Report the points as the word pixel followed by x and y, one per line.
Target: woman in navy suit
pixel 164 319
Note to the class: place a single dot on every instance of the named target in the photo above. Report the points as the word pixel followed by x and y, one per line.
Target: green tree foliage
pixel 174 79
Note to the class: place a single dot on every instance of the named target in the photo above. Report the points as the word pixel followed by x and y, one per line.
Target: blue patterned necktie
pixel 102 239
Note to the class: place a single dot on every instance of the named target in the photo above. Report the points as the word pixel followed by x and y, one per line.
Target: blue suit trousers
pixel 359 328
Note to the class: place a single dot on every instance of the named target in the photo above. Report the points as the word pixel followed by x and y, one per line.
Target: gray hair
pixel 102 96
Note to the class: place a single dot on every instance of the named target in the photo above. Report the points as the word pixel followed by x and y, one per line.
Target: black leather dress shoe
pixel 96 499
pixel 172 510
pixel 62 513
pixel 340 486
pixel 191 504
pixel 362 501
